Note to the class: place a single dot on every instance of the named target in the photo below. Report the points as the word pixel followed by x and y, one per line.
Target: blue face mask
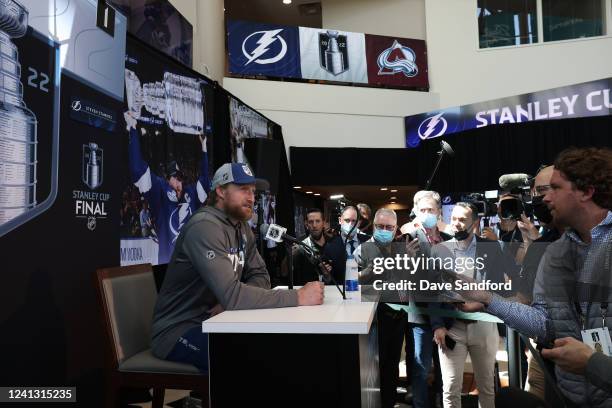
pixel 347 227
pixel 383 236
pixel 428 220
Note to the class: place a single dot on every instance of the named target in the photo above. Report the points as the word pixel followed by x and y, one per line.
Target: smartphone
pixel 450 343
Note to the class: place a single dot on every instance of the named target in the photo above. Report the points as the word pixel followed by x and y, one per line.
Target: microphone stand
pixel 289 263
pixel 446 149
pixel 260 222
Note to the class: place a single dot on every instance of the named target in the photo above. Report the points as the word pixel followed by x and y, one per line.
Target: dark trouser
pixel 510 397
pixel 191 348
pixel 391 328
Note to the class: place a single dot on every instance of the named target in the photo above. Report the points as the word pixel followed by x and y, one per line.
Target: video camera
pixel 519 187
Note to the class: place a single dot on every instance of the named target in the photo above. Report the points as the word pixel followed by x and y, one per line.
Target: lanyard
pixel 604 312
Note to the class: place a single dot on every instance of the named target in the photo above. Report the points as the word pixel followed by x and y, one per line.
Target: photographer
pixel 507 231
pixel 305 266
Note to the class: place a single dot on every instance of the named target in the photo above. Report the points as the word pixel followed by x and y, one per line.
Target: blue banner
pixel 263 49
pixel 574 101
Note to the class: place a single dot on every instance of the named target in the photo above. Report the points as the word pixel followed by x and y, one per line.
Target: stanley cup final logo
pixel 93 166
pixel 333 52
pixel 177 99
pixel 18 129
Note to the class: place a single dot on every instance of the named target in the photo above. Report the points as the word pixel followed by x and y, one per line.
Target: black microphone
pixel 512 181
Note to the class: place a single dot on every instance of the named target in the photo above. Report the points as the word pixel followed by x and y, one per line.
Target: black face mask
pixel 541 210
pixel 463 235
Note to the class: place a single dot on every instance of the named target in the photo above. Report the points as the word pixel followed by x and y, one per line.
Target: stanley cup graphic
pixel 178 100
pixel 334 60
pixel 92 165
pixel 17 122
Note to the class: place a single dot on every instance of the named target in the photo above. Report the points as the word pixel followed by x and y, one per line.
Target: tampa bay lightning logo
pixel 397 58
pixel 433 126
pixel 264 43
pixel 178 218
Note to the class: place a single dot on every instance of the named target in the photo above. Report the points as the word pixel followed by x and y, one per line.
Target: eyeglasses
pixel 384 227
pixel 541 190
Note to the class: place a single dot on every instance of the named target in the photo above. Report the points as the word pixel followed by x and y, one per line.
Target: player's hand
pixel 412 247
pixel 130 120
pixel 439 335
pixel 569 354
pixel 215 310
pixel 311 294
pixel 488 233
pixel 327 266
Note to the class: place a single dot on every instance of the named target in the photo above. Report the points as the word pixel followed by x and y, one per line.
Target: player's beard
pixel 239 211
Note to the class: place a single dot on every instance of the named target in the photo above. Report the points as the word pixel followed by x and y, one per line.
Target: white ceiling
pixel 273 12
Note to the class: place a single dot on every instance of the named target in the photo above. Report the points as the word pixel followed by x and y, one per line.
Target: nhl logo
pixel 333 52
pixel 91 223
pixel 93 166
pixel 210 255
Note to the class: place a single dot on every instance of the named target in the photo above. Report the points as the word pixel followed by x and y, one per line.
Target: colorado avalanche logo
pixel 397 58
pixel 178 218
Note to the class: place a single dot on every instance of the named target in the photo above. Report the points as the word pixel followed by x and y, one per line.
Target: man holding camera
pixel 307 265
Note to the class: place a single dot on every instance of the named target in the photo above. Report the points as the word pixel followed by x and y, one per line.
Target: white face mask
pixel 346 227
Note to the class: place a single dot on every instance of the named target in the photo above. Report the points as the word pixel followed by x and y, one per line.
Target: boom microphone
pixel 515 180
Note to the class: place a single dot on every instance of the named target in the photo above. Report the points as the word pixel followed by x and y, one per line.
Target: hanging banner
pixel 167 172
pixel 574 101
pixel 263 49
pixel 333 55
pixel 396 61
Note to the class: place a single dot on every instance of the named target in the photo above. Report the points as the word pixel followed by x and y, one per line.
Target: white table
pixel 324 355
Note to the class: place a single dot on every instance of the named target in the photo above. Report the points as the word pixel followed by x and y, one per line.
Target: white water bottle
pixel 351 283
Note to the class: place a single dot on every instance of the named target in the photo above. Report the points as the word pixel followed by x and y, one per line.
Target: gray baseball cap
pixel 238 173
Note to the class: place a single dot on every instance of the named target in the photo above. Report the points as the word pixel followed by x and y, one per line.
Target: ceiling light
pixel 336 196
pixel 383 189
pixel 317 194
pixel 392 202
pixel 297 187
pixel 286 1
pixel 309 192
pixel 393 198
pixel 394 191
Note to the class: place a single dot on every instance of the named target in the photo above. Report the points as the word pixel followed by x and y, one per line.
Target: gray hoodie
pixel 215 261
